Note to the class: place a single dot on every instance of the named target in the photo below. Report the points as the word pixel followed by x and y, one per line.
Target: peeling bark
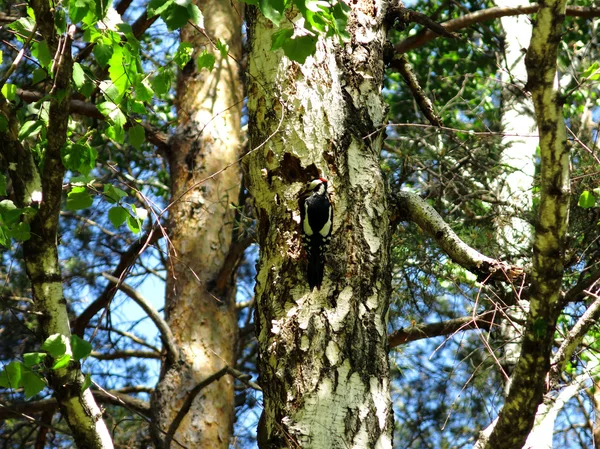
pixel 200 313
pixel 322 354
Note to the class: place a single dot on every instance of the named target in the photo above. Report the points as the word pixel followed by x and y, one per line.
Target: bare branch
pixel 484 15
pixel 575 336
pixel 412 207
pixel 127 260
pixel 161 324
pixel 125 354
pixel 403 66
pixel 115 397
pixel 429 330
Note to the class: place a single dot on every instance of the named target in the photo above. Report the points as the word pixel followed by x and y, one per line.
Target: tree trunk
pixel 40 187
pixel 200 296
pixel 322 353
pixel 528 385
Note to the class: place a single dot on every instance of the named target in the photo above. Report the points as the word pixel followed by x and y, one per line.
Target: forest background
pixel 149 151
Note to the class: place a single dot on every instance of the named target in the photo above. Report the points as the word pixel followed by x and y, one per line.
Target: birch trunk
pixel 322 354
pixel 200 296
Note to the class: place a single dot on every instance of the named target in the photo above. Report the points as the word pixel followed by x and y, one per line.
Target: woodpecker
pixel 316 215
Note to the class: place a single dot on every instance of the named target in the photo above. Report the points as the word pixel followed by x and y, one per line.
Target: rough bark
pixel 322 353
pixel 529 379
pixel 200 314
pixel 41 187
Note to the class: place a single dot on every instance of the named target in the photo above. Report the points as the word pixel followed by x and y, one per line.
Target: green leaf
pixel 9 212
pixel 586 200
pixel 591 70
pixel 3 124
pixel 79 157
pixel 222 47
pixel 140 212
pixel 55 345
pixel 60 20
pixel 9 91
pixel 299 48
pixel 272 9
pixel 0 57
pixel 206 61
pixel 79 198
pixel 113 194
pixel 4 237
pixel 340 13
pixel 135 224
pixel 143 90
pixel 103 53
pixel 62 361
pixel 78 75
pixel 21 232
pixel 33 358
pixel 81 348
pixel 137 136
pixel 279 38
pixel 196 15
pixel 30 128
pixel 122 71
pixel 41 52
pixel 156 7
pixel 2 185
pixel 78 9
pixel 136 107
pixel 117 215
pixel 32 383
pixel 10 377
pixel 116 133
pixel 23 27
pixel 162 82
pixel 39 75
pixel 112 111
pixel 175 16
pixel 183 54
pixel 87 382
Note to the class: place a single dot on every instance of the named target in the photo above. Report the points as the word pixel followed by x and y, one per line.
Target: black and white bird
pixel 316 215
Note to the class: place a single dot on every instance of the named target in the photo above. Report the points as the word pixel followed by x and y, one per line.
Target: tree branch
pixel 574 337
pixel 115 397
pixel 403 66
pixel 429 330
pixel 127 260
pixel 125 354
pixel 484 15
pixel 413 208
pixel 154 136
pixel 163 327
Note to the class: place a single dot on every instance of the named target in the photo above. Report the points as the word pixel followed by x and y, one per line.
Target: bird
pixel 316 219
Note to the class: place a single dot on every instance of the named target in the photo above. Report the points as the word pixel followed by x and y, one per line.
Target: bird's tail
pixel 315 272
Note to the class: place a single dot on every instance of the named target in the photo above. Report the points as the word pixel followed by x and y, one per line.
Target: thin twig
pixel 18 58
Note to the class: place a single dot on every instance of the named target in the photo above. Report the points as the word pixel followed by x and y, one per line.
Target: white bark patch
pixel 333 353
pixel 379 392
pixel 373 301
pixel 361 172
pixel 384 442
pixel 336 316
pixel 361 439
